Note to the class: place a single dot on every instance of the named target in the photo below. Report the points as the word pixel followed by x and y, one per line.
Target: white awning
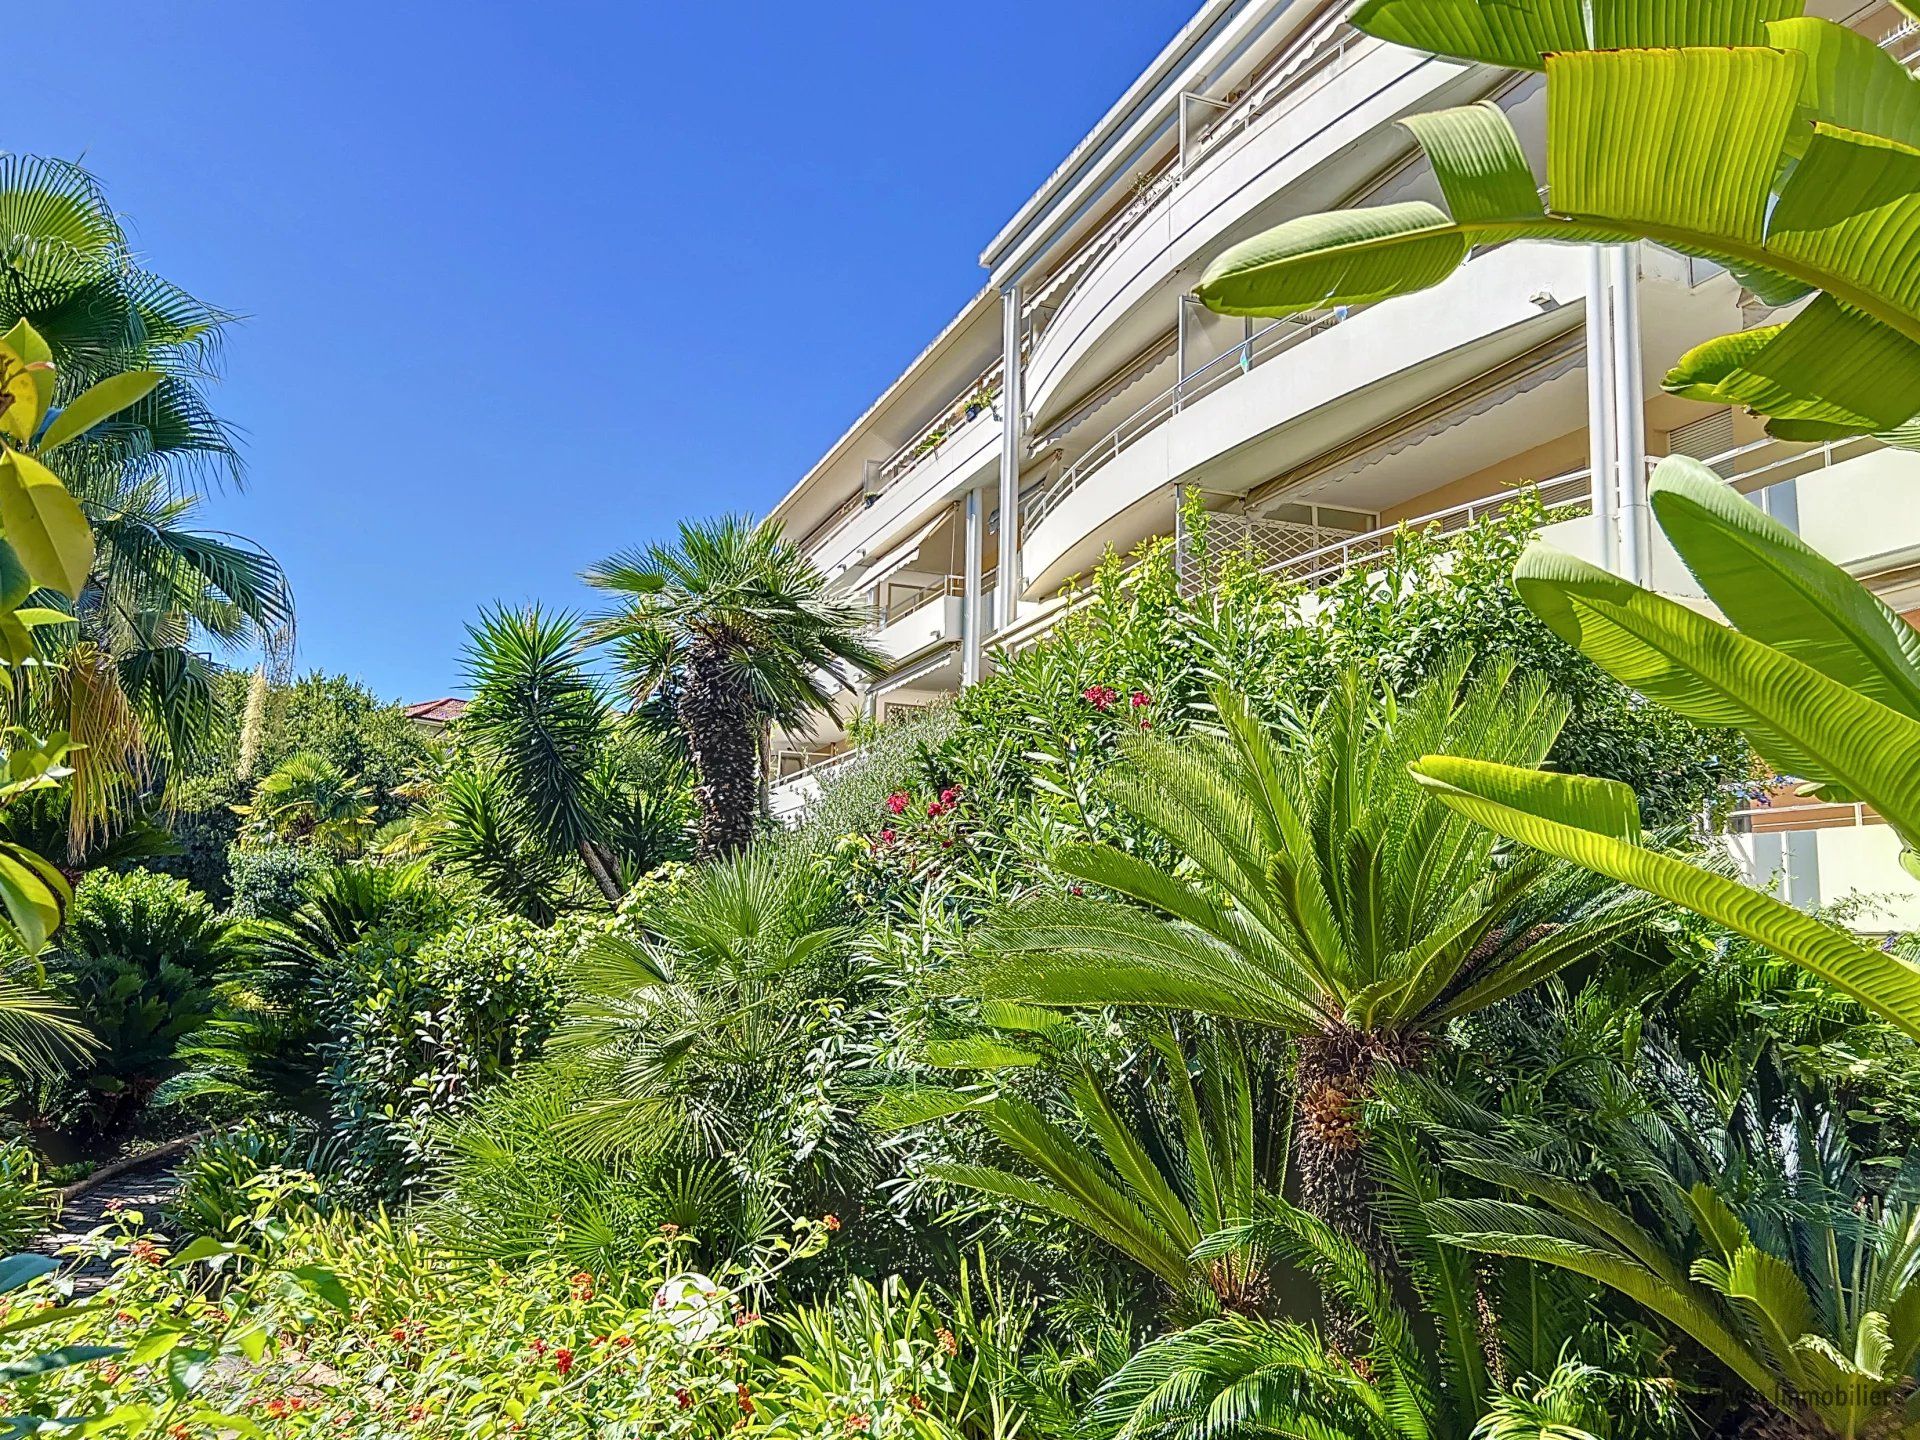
pixel 948 654
pixel 892 562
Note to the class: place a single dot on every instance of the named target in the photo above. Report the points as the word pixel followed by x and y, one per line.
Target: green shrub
pixel 224 1180
pixel 204 826
pixel 137 958
pixel 25 1197
pixel 266 879
pixel 418 1024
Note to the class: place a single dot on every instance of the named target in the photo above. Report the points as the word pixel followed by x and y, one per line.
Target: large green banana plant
pixel 1820 674
pixel 1784 146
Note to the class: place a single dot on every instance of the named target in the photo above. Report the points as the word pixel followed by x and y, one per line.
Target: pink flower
pixel 950 797
pixel 1101 697
pixel 887 836
pixel 1140 699
pixel 563 1360
pixel 898 802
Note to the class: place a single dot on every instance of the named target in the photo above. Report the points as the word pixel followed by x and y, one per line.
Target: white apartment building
pixel 1068 408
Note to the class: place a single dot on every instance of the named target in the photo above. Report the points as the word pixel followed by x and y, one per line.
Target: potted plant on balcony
pixel 931 442
pixel 978 402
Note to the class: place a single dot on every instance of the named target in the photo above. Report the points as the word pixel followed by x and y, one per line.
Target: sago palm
pixel 1820 1318
pixel 1238 1375
pixel 1320 890
pixel 1152 1191
pixel 746 629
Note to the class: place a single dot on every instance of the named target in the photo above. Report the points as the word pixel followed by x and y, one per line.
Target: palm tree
pixel 308 797
pixel 131 686
pixel 1811 1299
pixel 746 628
pixel 1319 889
pixel 539 723
pixel 1243 1375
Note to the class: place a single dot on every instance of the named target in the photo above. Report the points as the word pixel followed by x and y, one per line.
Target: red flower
pixel 1076 889
pixel 1140 699
pixel 539 1347
pixel 898 802
pixel 399 1334
pixel 887 836
pixel 1101 697
pixel 745 1397
pixel 276 1407
pixel 857 1424
pixel 145 1251
pixel 416 1413
pixel 563 1360
pixel 949 797
pixel 916 1404
pixel 669 1229
pixel 685 1398
pixel 623 1342
pixel 944 1337
pixel 832 1222
pixel 746 1318
pixel 581 1285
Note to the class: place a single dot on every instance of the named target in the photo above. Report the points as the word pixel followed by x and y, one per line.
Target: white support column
pixel 1630 400
pixel 973 611
pixel 1600 423
pixel 1013 444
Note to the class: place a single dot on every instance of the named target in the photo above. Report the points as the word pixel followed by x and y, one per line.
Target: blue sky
pixel 527 284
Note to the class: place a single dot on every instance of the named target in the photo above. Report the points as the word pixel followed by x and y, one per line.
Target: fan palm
pixel 307 797
pixel 745 626
pixel 1153 1196
pixel 727 1032
pixel 1320 890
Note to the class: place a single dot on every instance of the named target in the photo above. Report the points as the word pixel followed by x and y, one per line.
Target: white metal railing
pixel 897 608
pixel 979 396
pixel 842 513
pixel 1313 63
pixel 1258 348
pixel 1330 562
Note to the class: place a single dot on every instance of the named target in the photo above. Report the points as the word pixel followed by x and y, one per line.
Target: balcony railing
pixel 1258 348
pixel 898 607
pixel 980 396
pixel 1293 76
pixel 842 513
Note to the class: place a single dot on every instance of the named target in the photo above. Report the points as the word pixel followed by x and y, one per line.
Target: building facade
pixel 1083 394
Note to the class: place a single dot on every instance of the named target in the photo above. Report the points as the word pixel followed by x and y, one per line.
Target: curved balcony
pixel 936 467
pixel 1297 389
pixel 1320 118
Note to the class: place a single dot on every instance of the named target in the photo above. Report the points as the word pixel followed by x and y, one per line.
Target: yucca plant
pixel 1152 1191
pixel 1801 172
pixel 1822 676
pixel 1320 890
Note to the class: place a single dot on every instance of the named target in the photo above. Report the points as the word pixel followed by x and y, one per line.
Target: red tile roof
pixel 437 712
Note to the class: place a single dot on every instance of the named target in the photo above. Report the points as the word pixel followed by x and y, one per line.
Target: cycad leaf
pixel 1514 804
